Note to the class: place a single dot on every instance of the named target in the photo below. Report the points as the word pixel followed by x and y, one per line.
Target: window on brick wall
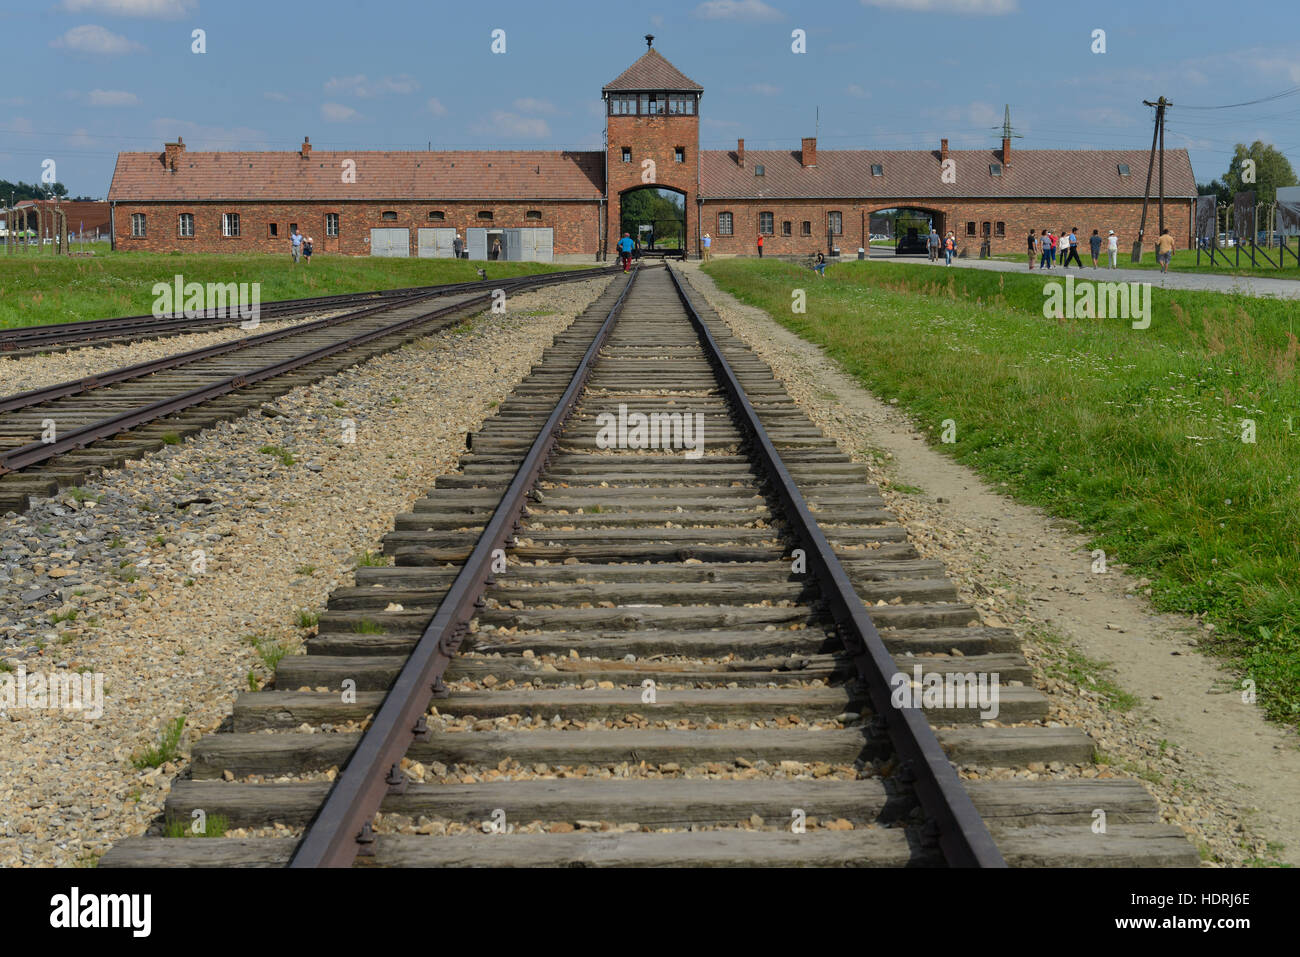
pixel 137 225
pixel 331 224
pixel 389 214
pixel 293 228
pixel 1000 229
pixel 485 214
pixel 185 226
pixel 272 230
pixel 786 227
pixel 679 154
pixel 985 228
pixel 724 224
pixel 805 228
pixel 970 229
pixel 835 220
pixel 533 214
pixel 230 224
pixel 437 215
pixel 627 154
pixel 765 221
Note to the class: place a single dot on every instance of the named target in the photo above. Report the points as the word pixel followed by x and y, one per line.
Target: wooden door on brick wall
pixel 436 242
pixel 390 242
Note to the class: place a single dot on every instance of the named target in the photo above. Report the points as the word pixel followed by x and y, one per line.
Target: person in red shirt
pixel 760 245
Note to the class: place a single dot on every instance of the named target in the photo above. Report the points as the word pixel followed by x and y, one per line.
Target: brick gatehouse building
pixel 561 204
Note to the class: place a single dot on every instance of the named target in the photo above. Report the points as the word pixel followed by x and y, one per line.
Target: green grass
pixel 170 438
pixel 367 627
pixel 307 619
pixel 214 825
pixel 37 289
pixel 305 570
pixel 370 559
pixel 283 455
pixel 165 750
pixel 1134 434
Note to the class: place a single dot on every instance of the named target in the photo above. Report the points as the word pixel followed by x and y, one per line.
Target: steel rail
pixel 89 330
pixel 34 452
pixel 963 836
pixel 342 825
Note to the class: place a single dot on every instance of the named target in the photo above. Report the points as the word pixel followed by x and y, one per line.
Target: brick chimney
pixel 306 147
pixel 740 153
pixel 1006 151
pixel 172 153
pixel 943 150
pixel 808 157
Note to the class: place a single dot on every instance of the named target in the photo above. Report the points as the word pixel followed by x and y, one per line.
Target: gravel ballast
pixel 180 577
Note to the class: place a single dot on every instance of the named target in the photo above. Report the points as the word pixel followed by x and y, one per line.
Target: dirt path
pixel 1217 767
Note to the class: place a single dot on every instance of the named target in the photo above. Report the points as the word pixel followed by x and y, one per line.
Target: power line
pixel 1229 106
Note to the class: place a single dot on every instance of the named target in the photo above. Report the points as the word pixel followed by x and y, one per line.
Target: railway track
pixel 32 340
pixel 632 656
pixel 57 435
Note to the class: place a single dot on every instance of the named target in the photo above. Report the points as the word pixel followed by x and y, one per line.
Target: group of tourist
pixel 1049 247
pixel 945 246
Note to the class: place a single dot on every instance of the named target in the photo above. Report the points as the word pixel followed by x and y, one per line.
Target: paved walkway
pixel 1208 282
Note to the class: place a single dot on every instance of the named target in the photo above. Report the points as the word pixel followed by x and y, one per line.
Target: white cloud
pixel 13 101
pixel 112 98
pixel 854 90
pixel 436 107
pixel 154 9
pixel 93 39
pixel 753 10
pixel 200 137
pixel 505 123
pixel 21 125
pixel 530 105
pixel 275 96
pixel 338 113
pixel 361 86
pixel 764 89
pixel 995 8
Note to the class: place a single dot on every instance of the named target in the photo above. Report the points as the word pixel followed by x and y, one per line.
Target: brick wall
pixel 1018 217
pixel 574 223
pixel 654 138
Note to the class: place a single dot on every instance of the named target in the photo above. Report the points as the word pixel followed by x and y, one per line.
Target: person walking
pixel 295 245
pixel 1112 248
pixel 1045 248
pixel 949 248
pixel 306 251
pixel 934 243
pixel 706 244
pixel 1031 247
pixel 496 249
pixel 1094 247
pixel 457 245
pixel 760 245
pixel 1072 247
pixel 1164 250
pixel 625 251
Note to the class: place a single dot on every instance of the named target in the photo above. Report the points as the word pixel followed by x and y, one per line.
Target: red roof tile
pixel 1037 174
pixel 652 72
pixel 260 177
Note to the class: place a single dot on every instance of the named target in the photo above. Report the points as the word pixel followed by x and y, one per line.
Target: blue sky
pixel 107 75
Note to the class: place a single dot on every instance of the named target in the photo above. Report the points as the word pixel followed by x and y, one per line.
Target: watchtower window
pixel 627 154
pixel 679 154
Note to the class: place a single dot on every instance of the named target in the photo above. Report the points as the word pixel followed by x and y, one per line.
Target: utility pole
pixel 1157 137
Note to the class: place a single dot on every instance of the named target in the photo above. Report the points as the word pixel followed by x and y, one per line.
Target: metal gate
pixel 436 242
pixel 476 243
pixel 390 242
pixel 539 244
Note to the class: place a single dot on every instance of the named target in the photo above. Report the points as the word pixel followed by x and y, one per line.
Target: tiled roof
pixel 652 72
pixel 253 177
pixel 1038 174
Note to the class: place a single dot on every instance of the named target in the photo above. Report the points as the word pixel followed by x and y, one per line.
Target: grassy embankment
pixel 37 289
pixel 1136 434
